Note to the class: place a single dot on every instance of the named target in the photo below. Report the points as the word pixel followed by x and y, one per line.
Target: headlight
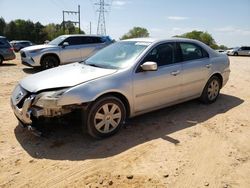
pixel 48 99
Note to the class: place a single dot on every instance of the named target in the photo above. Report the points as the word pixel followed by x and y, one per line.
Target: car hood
pixel 63 76
pixel 37 47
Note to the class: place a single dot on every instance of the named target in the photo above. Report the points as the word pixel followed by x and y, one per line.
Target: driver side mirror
pixel 65 44
pixel 149 66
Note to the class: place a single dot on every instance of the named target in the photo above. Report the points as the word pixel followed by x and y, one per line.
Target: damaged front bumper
pixel 23 114
pixel 27 106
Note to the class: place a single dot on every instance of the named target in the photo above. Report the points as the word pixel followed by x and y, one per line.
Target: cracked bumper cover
pixel 24 113
pixel 29 110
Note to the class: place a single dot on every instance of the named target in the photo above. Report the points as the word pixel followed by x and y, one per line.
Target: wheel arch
pixel 218 75
pixel 50 54
pixel 119 96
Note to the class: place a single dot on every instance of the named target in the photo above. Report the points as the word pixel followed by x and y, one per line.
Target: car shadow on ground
pixel 32 70
pixel 8 65
pixel 66 142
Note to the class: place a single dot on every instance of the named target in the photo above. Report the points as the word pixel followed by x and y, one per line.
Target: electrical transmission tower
pixel 101 26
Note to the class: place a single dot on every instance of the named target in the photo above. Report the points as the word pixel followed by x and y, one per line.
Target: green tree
pixel 223 47
pixel 2 26
pixel 39 35
pixel 70 28
pixel 27 30
pixel 53 31
pixel 10 30
pixel 136 32
pixel 204 37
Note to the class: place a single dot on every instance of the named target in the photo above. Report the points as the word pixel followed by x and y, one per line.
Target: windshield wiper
pixel 93 65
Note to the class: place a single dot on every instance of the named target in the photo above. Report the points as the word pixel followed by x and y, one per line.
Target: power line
pixel 74 22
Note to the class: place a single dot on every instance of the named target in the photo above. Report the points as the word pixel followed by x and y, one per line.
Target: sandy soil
pixel 187 145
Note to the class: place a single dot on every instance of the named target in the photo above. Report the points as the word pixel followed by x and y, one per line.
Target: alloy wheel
pixel 107 118
pixel 213 89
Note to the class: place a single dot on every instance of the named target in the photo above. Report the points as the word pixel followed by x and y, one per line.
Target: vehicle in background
pixel 244 50
pixel 221 51
pixel 6 50
pixel 123 80
pixel 63 49
pixel 20 44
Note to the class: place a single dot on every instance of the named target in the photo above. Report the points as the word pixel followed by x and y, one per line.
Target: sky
pixel 227 20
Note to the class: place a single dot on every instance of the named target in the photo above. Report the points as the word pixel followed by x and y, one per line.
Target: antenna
pixel 101 26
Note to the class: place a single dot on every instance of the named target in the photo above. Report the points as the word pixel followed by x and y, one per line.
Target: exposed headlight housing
pixel 49 99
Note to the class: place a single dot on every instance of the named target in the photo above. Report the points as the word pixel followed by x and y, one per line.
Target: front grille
pixel 23 54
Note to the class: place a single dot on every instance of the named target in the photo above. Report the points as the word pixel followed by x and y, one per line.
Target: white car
pixel 63 49
pixel 244 50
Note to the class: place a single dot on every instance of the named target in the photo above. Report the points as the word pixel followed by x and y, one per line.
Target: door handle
pixel 174 73
pixel 208 66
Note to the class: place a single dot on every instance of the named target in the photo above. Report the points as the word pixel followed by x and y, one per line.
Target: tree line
pixel 202 36
pixel 35 32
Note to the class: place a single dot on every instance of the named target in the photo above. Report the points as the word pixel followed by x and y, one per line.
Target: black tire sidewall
pixel 1 60
pixel 92 111
pixel 49 58
pixel 204 97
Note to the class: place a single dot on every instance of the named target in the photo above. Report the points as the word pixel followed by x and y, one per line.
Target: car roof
pixel 16 41
pixel 153 41
pixel 156 40
pixel 83 35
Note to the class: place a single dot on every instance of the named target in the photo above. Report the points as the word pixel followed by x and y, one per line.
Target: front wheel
pixel 236 54
pixel 105 117
pixel 211 90
pixel 49 62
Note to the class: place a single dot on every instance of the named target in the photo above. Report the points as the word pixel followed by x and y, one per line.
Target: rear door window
pixel 192 51
pixel 91 40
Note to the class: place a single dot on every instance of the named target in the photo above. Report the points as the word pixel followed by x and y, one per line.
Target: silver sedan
pixel 123 80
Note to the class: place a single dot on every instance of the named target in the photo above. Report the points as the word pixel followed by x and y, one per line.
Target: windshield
pixel 57 40
pixel 118 55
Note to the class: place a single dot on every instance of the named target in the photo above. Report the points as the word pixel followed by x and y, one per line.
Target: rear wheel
pixel 49 62
pixel 105 117
pixel 211 90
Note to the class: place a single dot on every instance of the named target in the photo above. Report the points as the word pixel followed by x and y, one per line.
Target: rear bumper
pixel 225 76
pixel 9 57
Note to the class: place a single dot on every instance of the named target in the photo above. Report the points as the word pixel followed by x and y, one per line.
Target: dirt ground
pixel 187 145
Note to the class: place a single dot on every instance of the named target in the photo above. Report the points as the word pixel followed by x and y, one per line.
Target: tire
pixel 236 54
pixel 49 61
pixel 1 60
pixel 211 91
pixel 104 117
